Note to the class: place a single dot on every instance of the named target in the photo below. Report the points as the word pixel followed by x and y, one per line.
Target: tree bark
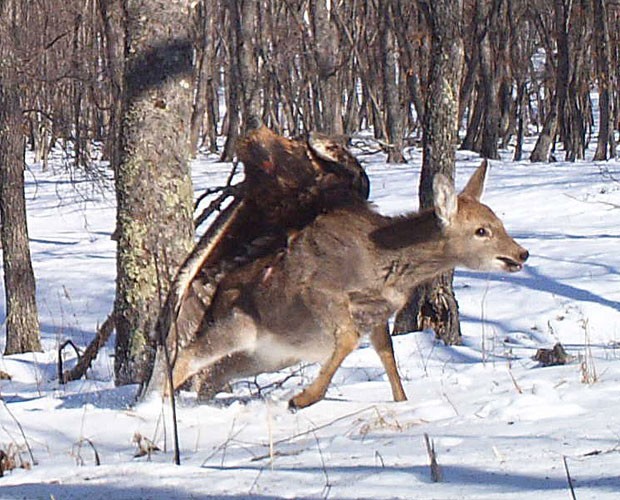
pixel 433 305
pixel 393 109
pixel 204 26
pixel 234 94
pixel 327 61
pixel 22 320
pixel 153 184
pixel 246 24
pixel 113 24
pixel 546 139
pixel 606 141
pixel 488 87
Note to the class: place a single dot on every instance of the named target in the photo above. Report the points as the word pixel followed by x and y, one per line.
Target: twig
pixel 255 482
pixel 436 473
pixel 208 192
pixel 21 430
pixel 173 406
pixel 276 453
pixel 514 380
pixel 96 454
pixel 261 390
pixel 270 434
pixel 609 204
pixel 217 202
pixel 327 486
pixel 60 349
pixel 224 445
pixel 213 190
pixel 314 429
pixel 569 479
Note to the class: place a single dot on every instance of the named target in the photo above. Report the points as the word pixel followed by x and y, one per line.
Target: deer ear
pixel 445 199
pixel 475 185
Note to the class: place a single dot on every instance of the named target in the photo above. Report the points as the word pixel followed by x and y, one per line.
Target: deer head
pixel 475 237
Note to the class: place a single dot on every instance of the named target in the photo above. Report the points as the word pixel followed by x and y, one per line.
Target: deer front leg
pixel 382 342
pixel 346 342
pixel 370 314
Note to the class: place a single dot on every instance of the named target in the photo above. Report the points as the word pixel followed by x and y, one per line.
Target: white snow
pixel 502 426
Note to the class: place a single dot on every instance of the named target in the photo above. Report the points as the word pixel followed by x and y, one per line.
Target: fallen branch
pixel 83 364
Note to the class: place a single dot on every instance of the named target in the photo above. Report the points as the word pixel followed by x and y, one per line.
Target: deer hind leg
pixel 236 334
pixel 346 342
pixel 215 378
pixel 382 342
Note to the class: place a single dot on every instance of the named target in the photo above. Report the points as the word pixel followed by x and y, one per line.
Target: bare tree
pixel 606 142
pixel 391 90
pixel 433 305
pixel 326 50
pixel 22 320
pixel 204 119
pixel 153 185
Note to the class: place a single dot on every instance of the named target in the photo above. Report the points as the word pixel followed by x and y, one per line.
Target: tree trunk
pixel 393 109
pixel 546 139
pixel 327 61
pixel 603 57
pixel 555 118
pixel 233 101
pixel 204 31
pixel 488 87
pixel 113 23
pixel 22 320
pixel 246 25
pixel 434 305
pixel 520 105
pixel 153 184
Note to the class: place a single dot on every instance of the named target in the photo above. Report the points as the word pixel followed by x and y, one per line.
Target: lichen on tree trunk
pixel 153 183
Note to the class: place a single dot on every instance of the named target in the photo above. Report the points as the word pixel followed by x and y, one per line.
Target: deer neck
pixel 410 251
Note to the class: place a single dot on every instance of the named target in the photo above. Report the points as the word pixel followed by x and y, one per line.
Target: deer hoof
pixel 292 406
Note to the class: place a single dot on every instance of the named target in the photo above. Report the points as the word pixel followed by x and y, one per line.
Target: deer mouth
pixel 510 265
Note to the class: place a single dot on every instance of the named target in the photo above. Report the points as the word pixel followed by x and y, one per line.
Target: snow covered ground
pixel 502 426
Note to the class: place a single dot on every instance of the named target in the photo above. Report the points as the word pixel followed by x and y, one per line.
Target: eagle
pixel 288 182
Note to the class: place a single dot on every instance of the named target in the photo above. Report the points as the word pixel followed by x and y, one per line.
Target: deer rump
pixel 288 183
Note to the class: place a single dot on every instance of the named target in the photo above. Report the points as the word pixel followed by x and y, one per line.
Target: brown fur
pixel 341 277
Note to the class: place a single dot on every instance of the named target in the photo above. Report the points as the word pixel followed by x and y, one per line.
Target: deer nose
pixel 524 255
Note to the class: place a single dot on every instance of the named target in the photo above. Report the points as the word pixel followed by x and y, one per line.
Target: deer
pixel 338 279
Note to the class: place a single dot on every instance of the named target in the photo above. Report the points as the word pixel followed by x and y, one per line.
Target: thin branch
pixel 90 443
pixel 21 430
pixel 332 422
pixel 217 203
pixel 569 479
pixel 83 364
pixel 162 340
pixel 66 343
pixel 436 473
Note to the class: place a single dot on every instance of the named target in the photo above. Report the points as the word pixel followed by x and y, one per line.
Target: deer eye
pixel 482 232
